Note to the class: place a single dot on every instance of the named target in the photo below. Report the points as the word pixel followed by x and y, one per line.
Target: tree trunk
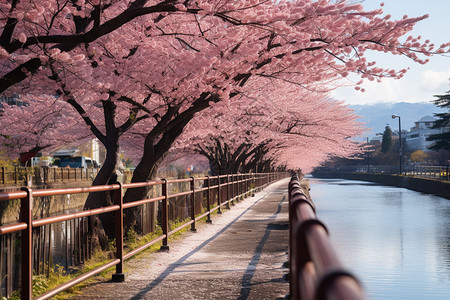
pixel 165 133
pixel 102 226
pixel 145 170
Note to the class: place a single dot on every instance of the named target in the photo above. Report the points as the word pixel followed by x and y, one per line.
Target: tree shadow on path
pixel 246 282
pixel 171 268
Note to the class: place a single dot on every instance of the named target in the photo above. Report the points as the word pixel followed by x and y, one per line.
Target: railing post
pixel 208 200
pixel 242 186
pixel 119 276
pixel 228 192
pixel 165 216
pixel 238 188
pixel 193 204
pixel 3 175
pixel 219 202
pixel 26 215
pixel 238 191
pixel 253 183
pixel 247 184
pixel 232 189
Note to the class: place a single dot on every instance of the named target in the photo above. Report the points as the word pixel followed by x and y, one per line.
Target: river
pixel 396 241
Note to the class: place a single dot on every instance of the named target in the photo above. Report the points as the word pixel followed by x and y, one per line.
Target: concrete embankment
pixel 424 185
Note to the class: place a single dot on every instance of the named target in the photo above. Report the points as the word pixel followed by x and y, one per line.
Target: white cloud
pixel 419 84
pixel 388 90
pixel 435 80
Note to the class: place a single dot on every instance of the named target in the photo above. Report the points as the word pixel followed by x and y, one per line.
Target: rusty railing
pixel 228 188
pixel 315 270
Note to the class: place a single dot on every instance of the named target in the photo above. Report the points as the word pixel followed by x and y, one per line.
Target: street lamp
pixel 368 155
pixel 400 140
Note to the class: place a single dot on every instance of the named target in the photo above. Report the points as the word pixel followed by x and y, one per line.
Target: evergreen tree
pixel 442 140
pixel 386 143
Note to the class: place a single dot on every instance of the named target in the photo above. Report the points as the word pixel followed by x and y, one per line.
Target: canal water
pixel 395 240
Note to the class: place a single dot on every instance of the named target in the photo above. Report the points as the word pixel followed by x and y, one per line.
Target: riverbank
pixel 423 185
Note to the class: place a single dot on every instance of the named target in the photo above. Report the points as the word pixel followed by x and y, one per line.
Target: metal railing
pixel 26 176
pixel 436 172
pixel 315 270
pixel 228 188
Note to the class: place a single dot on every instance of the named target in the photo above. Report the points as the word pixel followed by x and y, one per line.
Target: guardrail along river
pixel 395 240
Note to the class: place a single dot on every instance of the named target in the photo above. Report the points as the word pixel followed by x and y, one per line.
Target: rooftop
pixel 426 119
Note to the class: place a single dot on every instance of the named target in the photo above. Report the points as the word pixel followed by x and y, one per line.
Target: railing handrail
pixel 20 193
pixel 315 270
pixel 236 185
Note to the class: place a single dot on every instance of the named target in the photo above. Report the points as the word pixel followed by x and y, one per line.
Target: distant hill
pixel 377 116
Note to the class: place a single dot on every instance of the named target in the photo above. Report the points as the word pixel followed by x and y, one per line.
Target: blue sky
pixel 422 81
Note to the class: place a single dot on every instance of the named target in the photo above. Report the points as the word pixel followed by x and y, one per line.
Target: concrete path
pixel 239 256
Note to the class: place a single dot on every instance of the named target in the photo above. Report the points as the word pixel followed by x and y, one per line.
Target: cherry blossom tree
pixel 32 27
pixel 300 42
pixel 341 31
pixel 251 133
pixel 137 72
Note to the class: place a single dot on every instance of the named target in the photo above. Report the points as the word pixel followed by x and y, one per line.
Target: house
pixel 416 138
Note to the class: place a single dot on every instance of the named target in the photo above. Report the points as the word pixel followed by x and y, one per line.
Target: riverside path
pixel 241 255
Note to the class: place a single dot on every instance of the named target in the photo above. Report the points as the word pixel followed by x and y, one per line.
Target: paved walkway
pixel 239 256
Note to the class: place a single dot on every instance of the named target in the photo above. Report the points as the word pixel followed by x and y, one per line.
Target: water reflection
pixel 396 240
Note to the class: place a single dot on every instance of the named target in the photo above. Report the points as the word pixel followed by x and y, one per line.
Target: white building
pixel 416 138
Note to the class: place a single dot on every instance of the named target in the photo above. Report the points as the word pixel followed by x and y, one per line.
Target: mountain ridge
pixel 377 116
